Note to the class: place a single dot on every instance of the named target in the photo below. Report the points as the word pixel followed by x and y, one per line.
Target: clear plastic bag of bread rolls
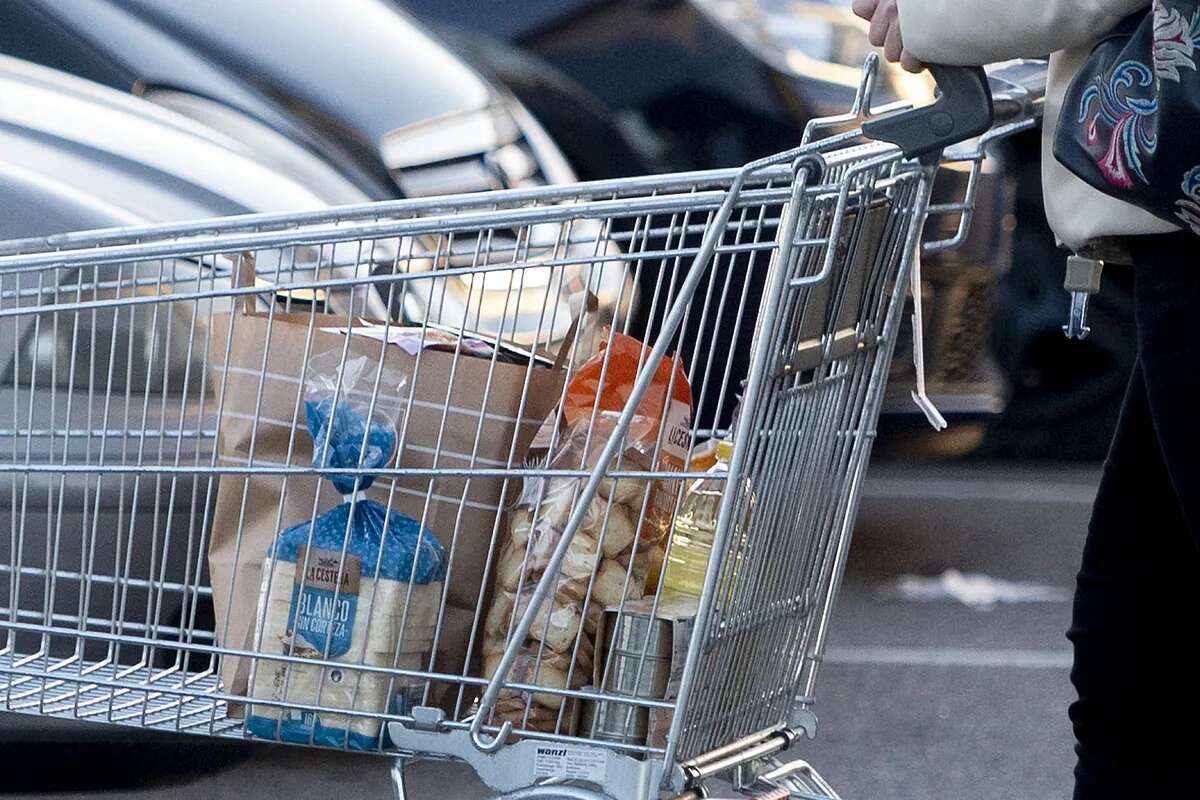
pixel 605 562
pixel 609 558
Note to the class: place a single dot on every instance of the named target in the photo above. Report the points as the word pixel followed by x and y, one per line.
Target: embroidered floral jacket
pixel 985 31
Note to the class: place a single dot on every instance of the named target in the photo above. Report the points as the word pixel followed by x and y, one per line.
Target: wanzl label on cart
pixel 570 763
pixel 325 599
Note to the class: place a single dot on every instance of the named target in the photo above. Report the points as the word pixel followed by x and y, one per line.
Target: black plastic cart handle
pixel 963 110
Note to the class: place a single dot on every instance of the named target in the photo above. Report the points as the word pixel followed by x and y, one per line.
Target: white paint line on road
pixel 949 657
pixel 975 490
pixel 972 589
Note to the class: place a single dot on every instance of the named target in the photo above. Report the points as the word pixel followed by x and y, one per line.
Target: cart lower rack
pixel 401 478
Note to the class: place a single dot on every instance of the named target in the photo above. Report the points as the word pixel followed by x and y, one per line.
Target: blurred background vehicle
pixel 356 87
pixel 703 83
pixel 164 121
pixel 360 85
pixel 554 91
pixel 75 155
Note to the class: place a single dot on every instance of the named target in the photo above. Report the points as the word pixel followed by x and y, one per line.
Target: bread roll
pixel 555 623
pixel 490 662
pixel 584 543
pixel 529 716
pixel 609 586
pixel 562 661
pixel 619 531
pixel 526 669
pixel 583 663
pixel 550 678
pixel 556 504
pixel 625 490
pixel 623 558
pixel 622 490
pixel 510 567
pixel 559 661
pixel 495 625
pixel 511 704
pixel 591 617
pixel 576 574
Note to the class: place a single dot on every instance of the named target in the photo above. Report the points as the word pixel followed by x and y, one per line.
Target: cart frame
pixel 810 404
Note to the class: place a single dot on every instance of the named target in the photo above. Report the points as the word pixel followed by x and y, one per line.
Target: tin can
pixel 614 722
pixel 636 662
pixel 637 654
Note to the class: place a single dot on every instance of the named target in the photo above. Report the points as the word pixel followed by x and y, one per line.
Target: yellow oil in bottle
pixel 694 529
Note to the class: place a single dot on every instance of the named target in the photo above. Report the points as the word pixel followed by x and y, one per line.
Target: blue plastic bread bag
pixel 356 585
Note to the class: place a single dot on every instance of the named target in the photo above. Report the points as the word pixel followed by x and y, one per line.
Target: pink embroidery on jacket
pixel 1113 165
pixel 1127 118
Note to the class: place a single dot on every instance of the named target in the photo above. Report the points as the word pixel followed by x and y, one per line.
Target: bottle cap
pixel 725 450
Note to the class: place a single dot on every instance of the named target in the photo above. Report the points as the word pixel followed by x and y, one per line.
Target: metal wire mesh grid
pixel 120 379
pixel 158 468
pixel 117 398
pixel 109 693
pixel 120 593
pixel 825 350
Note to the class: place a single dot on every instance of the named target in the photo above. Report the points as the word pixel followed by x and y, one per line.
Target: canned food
pixel 636 676
pixel 614 722
pixel 637 654
pixel 636 663
pixel 635 631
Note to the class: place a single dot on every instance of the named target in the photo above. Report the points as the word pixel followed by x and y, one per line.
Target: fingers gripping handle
pixel 963 110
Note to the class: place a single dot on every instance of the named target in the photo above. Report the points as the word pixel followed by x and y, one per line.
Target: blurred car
pixel 699 83
pixel 702 83
pixel 75 155
pixel 357 84
pixel 711 83
pixel 692 84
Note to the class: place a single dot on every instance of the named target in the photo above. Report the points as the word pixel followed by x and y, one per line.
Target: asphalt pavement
pixel 938 700
pixel 930 700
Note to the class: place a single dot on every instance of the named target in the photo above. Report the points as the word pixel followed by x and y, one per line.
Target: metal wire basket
pixel 121 394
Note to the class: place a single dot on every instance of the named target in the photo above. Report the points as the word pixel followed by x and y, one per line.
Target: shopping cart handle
pixel 962 111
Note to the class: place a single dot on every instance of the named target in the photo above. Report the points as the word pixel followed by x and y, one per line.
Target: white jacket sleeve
pixel 971 32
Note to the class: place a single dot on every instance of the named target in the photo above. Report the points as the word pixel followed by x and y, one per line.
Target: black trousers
pixel 1137 599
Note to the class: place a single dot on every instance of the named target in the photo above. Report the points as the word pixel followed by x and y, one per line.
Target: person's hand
pixel 884 16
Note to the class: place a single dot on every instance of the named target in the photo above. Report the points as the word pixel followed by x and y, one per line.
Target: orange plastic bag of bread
pixel 667 407
pixel 611 558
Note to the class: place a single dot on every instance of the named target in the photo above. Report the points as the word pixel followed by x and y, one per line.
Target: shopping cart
pixel 118 378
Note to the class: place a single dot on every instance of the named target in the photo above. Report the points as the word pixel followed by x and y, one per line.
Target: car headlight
pixel 501 146
pixel 532 306
pixel 120 347
pixel 819 40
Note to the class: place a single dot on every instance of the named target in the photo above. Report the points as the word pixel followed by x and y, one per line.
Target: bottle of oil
pixel 695 526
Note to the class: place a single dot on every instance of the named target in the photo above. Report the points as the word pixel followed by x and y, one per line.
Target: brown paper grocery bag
pixel 473 414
